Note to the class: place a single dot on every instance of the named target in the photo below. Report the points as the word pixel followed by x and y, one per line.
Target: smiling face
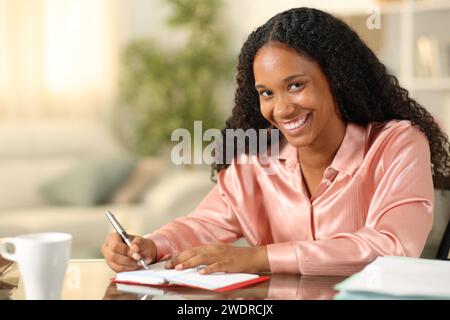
pixel 295 97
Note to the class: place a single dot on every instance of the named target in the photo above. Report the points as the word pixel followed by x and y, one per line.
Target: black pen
pixel 123 234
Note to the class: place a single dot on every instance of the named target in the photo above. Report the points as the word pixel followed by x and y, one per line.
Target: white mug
pixel 43 259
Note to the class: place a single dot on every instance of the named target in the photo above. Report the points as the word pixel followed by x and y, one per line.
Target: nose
pixel 284 107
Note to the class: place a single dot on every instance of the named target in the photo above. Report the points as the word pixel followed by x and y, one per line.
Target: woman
pixel 354 176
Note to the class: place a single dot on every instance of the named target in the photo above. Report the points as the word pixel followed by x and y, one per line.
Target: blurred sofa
pixel 62 176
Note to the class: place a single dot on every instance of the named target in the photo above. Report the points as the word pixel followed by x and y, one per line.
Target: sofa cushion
pixel 177 193
pixel 44 138
pixel 145 174
pixel 90 182
pixel 21 179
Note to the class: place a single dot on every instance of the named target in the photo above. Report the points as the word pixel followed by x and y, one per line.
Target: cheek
pixel 327 112
pixel 266 110
pixel 308 98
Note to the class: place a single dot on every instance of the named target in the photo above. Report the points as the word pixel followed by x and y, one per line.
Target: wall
pixel 143 18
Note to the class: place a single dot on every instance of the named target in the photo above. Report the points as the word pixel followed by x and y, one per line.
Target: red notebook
pixel 157 275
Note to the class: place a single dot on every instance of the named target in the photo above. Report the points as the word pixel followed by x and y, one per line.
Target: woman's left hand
pixel 222 258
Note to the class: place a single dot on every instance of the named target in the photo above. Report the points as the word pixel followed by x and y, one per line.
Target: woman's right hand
pixel 121 258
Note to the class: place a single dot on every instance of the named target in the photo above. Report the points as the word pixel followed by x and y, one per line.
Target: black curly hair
pixel 362 87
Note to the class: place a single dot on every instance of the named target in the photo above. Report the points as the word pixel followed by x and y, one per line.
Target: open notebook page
pixel 144 290
pixel 213 281
pixel 157 275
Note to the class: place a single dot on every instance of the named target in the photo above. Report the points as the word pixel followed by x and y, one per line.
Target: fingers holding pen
pixel 142 248
pixel 135 249
pixel 116 254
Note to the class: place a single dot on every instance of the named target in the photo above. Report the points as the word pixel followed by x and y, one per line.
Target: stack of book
pixel 398 278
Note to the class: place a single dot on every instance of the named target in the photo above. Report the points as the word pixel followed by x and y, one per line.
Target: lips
pixel 296 123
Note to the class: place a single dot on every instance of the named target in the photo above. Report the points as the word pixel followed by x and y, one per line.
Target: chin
pixel 298 142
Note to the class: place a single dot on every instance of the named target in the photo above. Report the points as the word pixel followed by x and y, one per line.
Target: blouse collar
pixel 348 158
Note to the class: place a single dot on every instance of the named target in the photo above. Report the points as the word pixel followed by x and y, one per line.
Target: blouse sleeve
pixel 399 218
pixel 219 218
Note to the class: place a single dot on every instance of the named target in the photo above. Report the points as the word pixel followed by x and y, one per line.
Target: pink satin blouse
pixel 376 198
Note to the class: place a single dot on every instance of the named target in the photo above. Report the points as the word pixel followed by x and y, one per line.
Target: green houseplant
pixel 170 90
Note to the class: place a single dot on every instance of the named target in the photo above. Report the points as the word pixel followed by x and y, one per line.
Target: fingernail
pixel 135 256
pixel 202 271
pixel 179 267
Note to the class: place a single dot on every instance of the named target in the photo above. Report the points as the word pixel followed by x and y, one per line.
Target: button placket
pixel 308 204
pixel 326 181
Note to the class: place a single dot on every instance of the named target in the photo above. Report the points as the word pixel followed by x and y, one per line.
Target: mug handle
pixel 4 249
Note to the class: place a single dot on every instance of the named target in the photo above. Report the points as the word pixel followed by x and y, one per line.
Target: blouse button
pixel 329 173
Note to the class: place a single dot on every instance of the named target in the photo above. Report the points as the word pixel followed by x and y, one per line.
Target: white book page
pixel 211 281
pixel 139 289
pixel 156 274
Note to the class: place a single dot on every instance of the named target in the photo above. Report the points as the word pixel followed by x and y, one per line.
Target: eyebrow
pixel 285 79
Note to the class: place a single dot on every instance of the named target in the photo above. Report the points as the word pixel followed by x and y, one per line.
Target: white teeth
pixel 296 124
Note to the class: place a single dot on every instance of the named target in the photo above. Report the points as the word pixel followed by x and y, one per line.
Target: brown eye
pixel 296 86
pixel 265 93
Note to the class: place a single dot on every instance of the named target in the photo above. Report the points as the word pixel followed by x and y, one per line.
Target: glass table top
pixel 90 279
